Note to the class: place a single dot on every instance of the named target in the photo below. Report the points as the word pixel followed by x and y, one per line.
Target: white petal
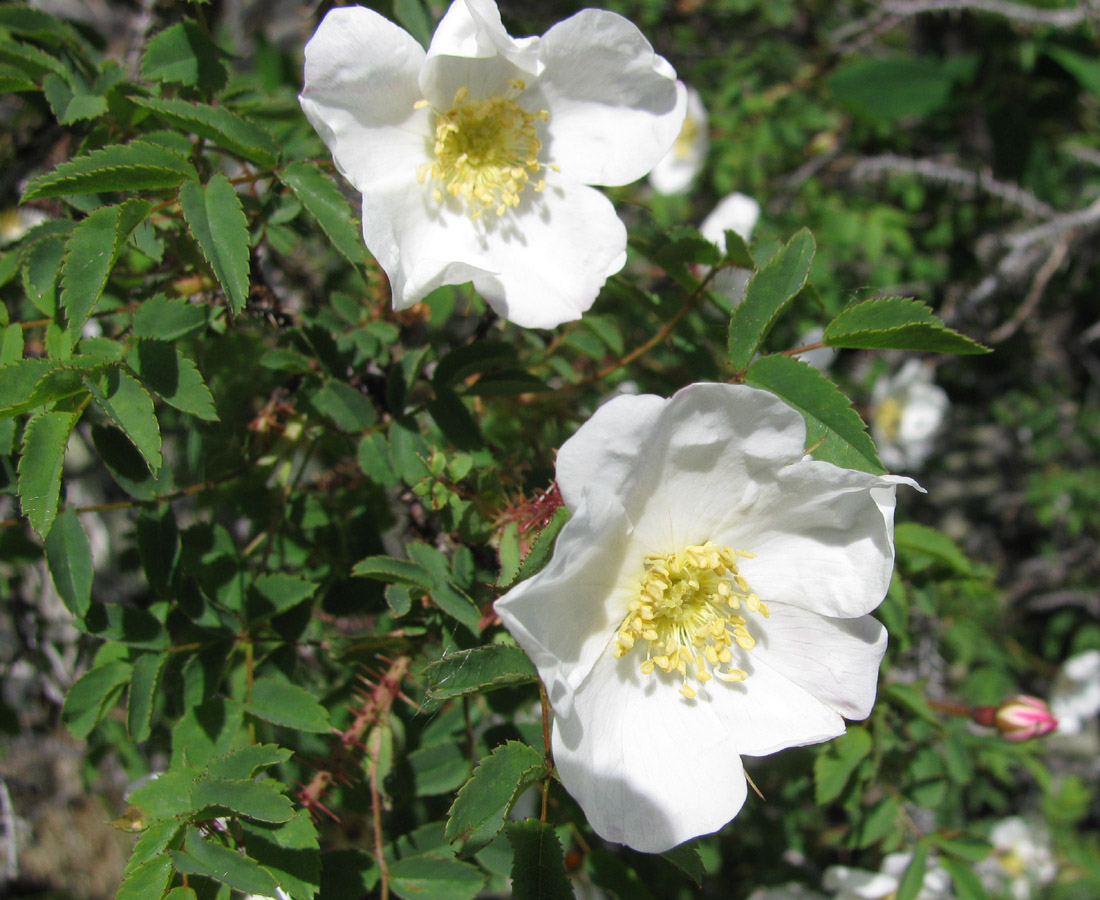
pixel 603 450
pixel 566 616
pixel 648 768
pixel 835 660
pixel 737 212
pixel 552 257
pixel 676 171
pixel 541 264
pixel 822 538
pixel 360 90
pixel 615 106
pixel 472 28
pixel 685 459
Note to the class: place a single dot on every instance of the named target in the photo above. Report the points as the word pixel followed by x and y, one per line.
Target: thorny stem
pixel 661 335
pixel 376 812
pixel 805 348
pixel 545 703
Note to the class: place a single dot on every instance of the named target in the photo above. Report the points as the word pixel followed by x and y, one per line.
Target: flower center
pixel 485 151
pixel 687 613
pixel 684 145
pixel 888 417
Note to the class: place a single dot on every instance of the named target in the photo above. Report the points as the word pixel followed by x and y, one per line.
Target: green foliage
pixel 311 501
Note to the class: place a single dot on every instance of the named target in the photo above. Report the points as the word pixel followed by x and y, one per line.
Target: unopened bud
pixel 1018 718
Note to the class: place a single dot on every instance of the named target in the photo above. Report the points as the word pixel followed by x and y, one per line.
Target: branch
pixel 1019 12
pixel 952 174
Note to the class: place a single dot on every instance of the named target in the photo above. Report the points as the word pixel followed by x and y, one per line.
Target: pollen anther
pixel 687 610
pixel 485 150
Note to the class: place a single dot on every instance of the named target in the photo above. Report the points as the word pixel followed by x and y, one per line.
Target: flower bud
pixel 1018 718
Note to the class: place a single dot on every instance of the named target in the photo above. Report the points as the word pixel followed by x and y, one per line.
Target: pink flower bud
pixel 1018 718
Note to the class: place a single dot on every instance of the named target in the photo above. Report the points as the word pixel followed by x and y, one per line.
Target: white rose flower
pixel 677 170
pixel 1022 859
pixel 739 213
pixel 848 883
pixel 474 158
pixel 1075 699
pixel 708 599
pixel 907 411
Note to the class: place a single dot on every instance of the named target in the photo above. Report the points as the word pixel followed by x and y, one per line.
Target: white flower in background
pixel 1022 859
pixel 739 213
pixel 790 891
pixel 708 599
pixel 1075 699
pixel 820 358
pixel 859 884
pixel 17 221
pixel 675 172
pixel 907 411
pixel 474 158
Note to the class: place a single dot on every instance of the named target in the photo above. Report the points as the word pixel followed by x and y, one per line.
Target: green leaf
pixel 686 857
pixel 17 382
pixel 912 879
pixel 323 200
pixel 439 768
pixel 143 691
pixel 148 881
pixel 184 54
pixel 92 695
pixel 967 884
pixel 40 465
pixel 433 878
pixel 36 24
pixel 213 860
pixel 538 867
pixel 174 377
pixel 543 547
pixel 11 345
pixel 415 19
pixel 767 295
pixel 219 125
pixel 348 409
pixel 137 166
pixel 896 323
pixel 886 90
pixel 829 416
pixel 29 59
pixel 69 558
pixel 166 796
pixel 282 703
pixel 482 805
pixel 14 80
pixel 478 670
pixel 126 403
pixel 474 358
pixel 272 595
pixel 291 852
pixel 72 101
pixel 258 800
pixel 158 546
pixel 41 271
pixel 153 841
pixel 394 571
pixel 216 219
pixel 166 320
pixel 456 603
pixel 914 538
pixel 247 761
pixel 1086 69
pixel 965 846
pixel 61 380
pixel 206 731
pixel 90 255
pixel 836 763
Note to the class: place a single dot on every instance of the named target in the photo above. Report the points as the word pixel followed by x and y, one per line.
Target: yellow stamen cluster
pixel 687 612
pixel 888 417
pixel 684 145
pixel 485 151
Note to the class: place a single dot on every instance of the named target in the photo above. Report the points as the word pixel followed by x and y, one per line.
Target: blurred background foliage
pixel 202 596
